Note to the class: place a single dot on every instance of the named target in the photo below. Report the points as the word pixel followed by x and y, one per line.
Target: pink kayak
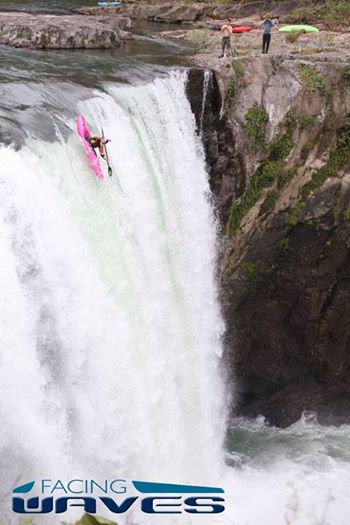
pixel 83 131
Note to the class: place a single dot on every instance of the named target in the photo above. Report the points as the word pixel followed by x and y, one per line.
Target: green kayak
pixel 304 29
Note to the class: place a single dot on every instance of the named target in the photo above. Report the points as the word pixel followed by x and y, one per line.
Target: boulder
pixel 62 31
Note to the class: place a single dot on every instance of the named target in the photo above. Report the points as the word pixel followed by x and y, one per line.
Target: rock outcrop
pixel 280 163
pixel 186 12
pixel 62 31
pixel 166 12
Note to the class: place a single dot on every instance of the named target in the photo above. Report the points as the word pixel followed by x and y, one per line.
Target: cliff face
pixel 280 165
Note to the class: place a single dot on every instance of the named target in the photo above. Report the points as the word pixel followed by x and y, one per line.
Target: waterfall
pixel 206 79
pixel 110 336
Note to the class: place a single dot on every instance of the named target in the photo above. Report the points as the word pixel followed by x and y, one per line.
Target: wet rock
pixel 205 98
pixel 62 31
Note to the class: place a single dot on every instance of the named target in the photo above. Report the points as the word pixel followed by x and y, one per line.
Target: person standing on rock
pixel 268 24
pixel 226 31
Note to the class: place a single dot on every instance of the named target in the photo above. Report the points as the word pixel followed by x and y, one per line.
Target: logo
pixel 118 496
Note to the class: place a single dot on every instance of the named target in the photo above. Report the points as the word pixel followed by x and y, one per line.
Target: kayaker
pixel 98 143
pixel 268 24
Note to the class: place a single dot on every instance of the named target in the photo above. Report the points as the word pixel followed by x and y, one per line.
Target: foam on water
pixel 110 325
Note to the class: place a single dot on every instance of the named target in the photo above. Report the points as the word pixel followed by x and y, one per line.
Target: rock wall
pixel 280 167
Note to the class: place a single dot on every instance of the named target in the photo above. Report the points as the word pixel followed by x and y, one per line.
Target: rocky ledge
pixel 63 31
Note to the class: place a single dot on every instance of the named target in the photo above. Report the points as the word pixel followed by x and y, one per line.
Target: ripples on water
pixel 44 5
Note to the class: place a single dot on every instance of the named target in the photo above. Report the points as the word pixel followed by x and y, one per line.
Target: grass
pixel 238 69
pixel 231 91
pixel 199 40
pixel 255 122
pixel 293 36
pixel 307 121
pixel 233 84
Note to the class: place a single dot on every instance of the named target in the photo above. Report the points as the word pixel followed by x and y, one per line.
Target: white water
pixel 110 326
pixel 110 331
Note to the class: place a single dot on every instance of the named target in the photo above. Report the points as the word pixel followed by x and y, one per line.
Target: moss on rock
pixel 312 81
pixel 256 119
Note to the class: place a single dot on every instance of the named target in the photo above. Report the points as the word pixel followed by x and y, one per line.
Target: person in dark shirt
pixel 268 24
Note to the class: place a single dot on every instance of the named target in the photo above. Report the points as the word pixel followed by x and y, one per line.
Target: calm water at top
pixel 44 5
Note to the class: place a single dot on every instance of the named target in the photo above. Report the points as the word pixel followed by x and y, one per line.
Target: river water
pixel 58 6
pixel 110 327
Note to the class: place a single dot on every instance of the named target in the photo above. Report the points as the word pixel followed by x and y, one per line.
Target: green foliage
pixel 291 122
pixel 307 121
pixel 285 176
pixel 334 14
pixel 293 36
pixel 45 39
pixel 271 170
pixel 339 159
pixel 312 80
pixel 254 270
pixel 346 74
pixel 264 177
pixel 233 84
pixel 238 69
pixel 295 213
pixel 199 39
pixel 269 202
pixel 231 91
pixel 281 146
pixel 306 150
pixel 284 244
pixel 237 211
pixel 255 122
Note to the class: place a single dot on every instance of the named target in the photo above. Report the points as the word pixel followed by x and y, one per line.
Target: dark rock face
pixel 287 308
pixel 62 32
pixel 280 167
pixel 205 98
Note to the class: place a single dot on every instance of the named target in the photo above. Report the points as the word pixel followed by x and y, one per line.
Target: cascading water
pixel 110 331
pixel 110 326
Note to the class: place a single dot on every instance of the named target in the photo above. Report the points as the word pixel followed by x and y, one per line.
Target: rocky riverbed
pixel 63 31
